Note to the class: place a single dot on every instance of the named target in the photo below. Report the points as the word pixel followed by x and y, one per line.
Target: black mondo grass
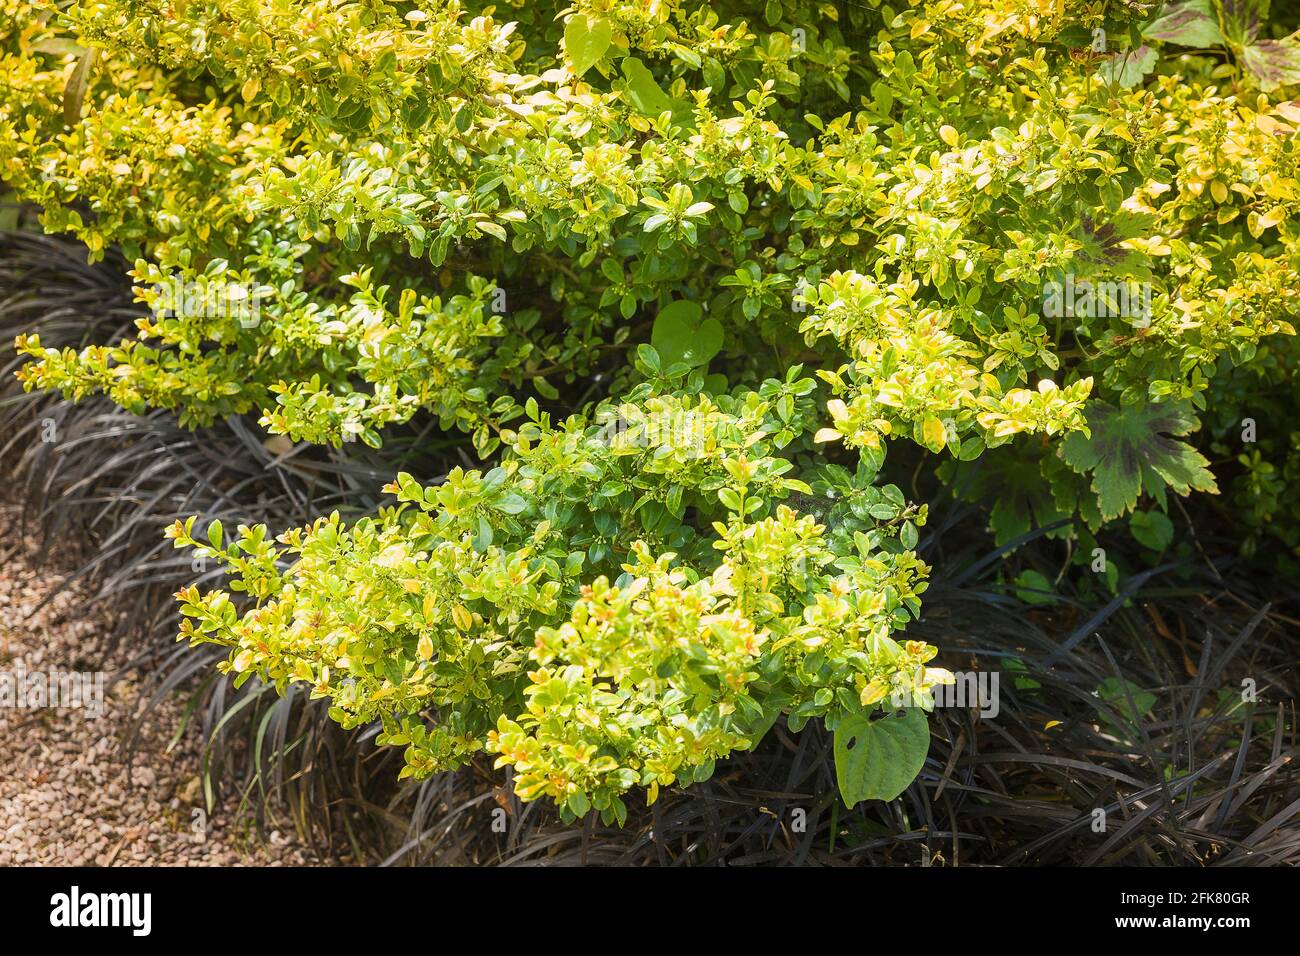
pixel 1173 767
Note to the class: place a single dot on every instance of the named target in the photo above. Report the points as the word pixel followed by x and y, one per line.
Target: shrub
pixel 682 272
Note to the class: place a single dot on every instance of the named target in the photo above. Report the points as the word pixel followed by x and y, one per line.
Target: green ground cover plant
pixel 692 281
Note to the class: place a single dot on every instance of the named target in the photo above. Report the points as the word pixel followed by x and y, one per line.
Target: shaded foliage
pixel 1199 781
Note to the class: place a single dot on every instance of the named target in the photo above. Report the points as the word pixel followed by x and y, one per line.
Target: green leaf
pixel 1117 689
pixel 1033 587
pixel 1128 67
pixel 1016 667
pixel 647 356
pixel 1130 451
pixel 1273 63
pixel 1190 23
pixel 681 334
pixel 585 41
pixel 1117 692
pixel 512 504
pixel 877 759
pixel 1152 529
pixel 496 230
pixel 483 537
pixel 645 94
pixel 1076 36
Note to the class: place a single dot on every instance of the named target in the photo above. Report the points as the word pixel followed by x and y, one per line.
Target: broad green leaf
pixel 1273 63
pixel 680 334
pixel 645 94
pixel 1033 587
pixel 512 504
pixel 877 759
pixel 1076 36
pixel 585 41
pixel 1117 693
pixel 1131 451
pixel 1102 245
pixel 1128 67
pixel 1189 23
pixel 1153 529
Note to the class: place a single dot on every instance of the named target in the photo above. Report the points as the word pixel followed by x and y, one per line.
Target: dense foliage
pixel 682 272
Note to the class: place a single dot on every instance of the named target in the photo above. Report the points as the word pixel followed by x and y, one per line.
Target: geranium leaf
pixel 1190 23
pixel 1131 449
pixel 1273 63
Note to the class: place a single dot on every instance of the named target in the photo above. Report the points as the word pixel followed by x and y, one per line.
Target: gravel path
pixel 64 793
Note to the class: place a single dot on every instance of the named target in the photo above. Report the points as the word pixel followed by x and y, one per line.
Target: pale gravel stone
pixel 64 798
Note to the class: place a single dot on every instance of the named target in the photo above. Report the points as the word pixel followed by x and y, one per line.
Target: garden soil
pixel 67 795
